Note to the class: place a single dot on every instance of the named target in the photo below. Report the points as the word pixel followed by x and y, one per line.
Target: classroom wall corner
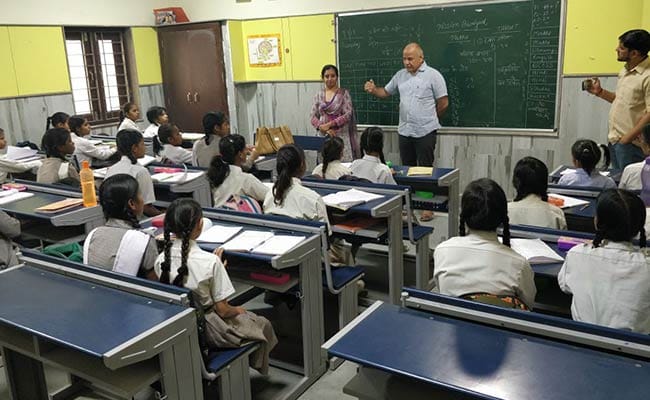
pixel 147 55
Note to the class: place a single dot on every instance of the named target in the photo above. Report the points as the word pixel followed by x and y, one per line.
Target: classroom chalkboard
pixel 500 61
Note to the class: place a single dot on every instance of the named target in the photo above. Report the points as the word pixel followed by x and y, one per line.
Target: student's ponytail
pixel 48 123
pixel 373 142
pixel 126 139
pixel 218 171
pixel 181 218
pixel 642 238
pixel 331 151
pixel 506 231
pixel 165 267
pixel 461 226
pixel 587 153
pixel 289 161
pixel 185 250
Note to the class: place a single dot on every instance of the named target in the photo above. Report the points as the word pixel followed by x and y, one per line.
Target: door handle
pixel 196 97
pixel 189 100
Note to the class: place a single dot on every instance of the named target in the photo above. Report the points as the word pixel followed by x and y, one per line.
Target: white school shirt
pixel 140 173
pixel 631 177
pixel 478 263
pixel 206 275
pixel 532 210
pixel 239 182
pixel 8 166
pixel 299 202
pixel 372 169
pixel 151 131
pixel 128 124
pixel 335 170
pixel 84 149
pixel 579 177
pixel 610 285
pixel 176 154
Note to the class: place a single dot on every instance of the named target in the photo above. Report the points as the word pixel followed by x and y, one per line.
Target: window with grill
pixel 98 72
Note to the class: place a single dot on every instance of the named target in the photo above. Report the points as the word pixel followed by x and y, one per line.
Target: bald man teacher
pixel 423 101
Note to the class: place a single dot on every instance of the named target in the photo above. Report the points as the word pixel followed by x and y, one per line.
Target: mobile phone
pixel 587 84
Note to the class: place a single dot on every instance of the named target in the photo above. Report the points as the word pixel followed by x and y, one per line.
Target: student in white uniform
pixel 128 115
pixel 57 120
pixel 289 198
pixel 215 126
pixel 156 116
pixel 131 146
pixel 184 264
pixel 84 149
pixel 531 206
pixel 56 168
pixel 226 176
pixel 476 266
pixel 119 245
pixel 372 166
pixel 332 151
pixel 631 177
pixel 586 155
pixel 8 166
pixel 610 280
pixel 171 140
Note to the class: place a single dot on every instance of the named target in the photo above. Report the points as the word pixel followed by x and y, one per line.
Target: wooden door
pixel 193 73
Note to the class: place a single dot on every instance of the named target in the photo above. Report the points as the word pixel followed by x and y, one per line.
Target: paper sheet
pixel 247 240
pixel 569 201
pixel 146 160
pixel 21 153
pixel 218 234
pixel 176 177
pixel 14 197
pixel 349 198
pixel 279 244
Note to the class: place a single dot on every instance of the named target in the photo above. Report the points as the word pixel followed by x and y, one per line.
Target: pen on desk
pixel 584 207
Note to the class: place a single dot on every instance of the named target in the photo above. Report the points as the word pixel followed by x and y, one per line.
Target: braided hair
pixel 484 207
pixel 332 150
pixel 114 195
pixel 210 121
pixel 620 216
pixel 372 141
pixel 56 119
pixel 587 153
pixel 126 139
pixel 530 177
pixel 181 219
pixel 229 147
pixel 290 163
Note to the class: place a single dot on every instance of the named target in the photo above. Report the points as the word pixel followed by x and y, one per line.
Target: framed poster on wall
pixel 264 50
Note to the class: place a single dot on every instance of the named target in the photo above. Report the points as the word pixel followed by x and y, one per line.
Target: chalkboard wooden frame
pixel 494 131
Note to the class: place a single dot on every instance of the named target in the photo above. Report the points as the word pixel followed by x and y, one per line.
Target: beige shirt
pixel 206 275
pixel 631 177
pixel 202 153
pixel 335 170
pixel 610 285
pixel 632 101
pixel 532 210
pixel 55 170
pixel 299 202
pixel 239 182
pixel 478 263
pixel 140 173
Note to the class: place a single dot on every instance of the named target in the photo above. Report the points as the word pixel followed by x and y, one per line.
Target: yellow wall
pixel 308 39
pixel 592 31
pixel 147 56
pixel 8 84
pixel 39 60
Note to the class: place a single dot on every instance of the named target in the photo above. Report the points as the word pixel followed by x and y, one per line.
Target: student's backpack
pixel 243 203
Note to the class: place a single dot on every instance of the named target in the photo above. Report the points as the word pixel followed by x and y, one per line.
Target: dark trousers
pixel 417 151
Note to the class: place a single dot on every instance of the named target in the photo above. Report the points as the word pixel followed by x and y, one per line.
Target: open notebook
pixel 347 199
pixel 535 251
pixel 262 242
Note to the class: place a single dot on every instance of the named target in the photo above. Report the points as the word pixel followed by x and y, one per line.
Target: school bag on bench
pixel 269 140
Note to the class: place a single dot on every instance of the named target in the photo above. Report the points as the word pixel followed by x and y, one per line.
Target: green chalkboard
pixel 500 60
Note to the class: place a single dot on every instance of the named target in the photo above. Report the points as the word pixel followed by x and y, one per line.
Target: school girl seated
pixel 531 206
pixel 131 146
pixel 475 265
pixel 226 177
pixel 631 177
pixel 8 166
pixel 184 264
pixel 373 165
pixel 9 229
pixel 56 168
pixel 331 153
pixel 586 155
pixel 156 116
pixel 610 279
pixel 171 140
pixel 128 115
pixel 57 120
pixel 119 245
pixel 84 149
pixel 215 126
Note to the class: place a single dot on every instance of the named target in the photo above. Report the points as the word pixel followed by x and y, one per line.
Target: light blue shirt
pixel 417 104
pixel 580 178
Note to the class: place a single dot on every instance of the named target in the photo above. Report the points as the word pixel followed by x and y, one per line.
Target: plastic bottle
pixel 87 185
pixel 645 182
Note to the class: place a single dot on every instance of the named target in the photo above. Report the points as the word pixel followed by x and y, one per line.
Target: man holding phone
pixel 630 110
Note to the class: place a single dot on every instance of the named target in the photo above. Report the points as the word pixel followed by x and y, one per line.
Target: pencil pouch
pixel 168 170
pixel 274 278
pixel 158 221
pixel 19 187
pixel 565 243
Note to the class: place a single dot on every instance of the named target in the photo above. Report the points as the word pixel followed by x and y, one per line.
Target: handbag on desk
pixel 269 140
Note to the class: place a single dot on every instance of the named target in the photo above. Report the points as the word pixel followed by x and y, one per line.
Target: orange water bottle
pixel 87 185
